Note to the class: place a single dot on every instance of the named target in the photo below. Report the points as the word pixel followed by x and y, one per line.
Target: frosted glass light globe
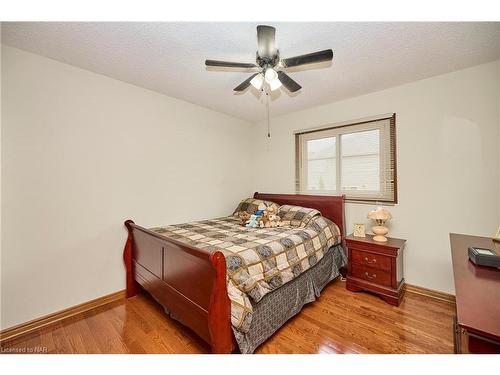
pixel 271 75
pixel 257 81
pixel 275 84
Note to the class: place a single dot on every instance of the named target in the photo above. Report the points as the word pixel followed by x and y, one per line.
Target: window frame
pixel 387 141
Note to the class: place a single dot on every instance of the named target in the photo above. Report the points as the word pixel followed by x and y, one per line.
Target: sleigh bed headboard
pixel 331 207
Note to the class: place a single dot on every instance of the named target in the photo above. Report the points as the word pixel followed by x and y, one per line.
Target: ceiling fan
pixel 270 64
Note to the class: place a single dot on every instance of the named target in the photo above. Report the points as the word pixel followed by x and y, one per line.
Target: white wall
pixel 80 154
pixel 448 162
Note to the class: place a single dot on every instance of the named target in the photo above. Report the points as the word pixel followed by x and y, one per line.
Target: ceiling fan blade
pixel 309 58
pixel 229 64
pixel 266 41
pixel 243 85
pixel 289 83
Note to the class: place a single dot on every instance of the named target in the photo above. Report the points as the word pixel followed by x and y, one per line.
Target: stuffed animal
pixel 262 206
pixel 252 222
pixel 264 220
pixel 274 221
pixel 272 210
pixel 264 217
pixel 244 217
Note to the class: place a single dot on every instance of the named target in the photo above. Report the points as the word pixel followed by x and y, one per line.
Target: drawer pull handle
pixel 374 276
pixel 368 260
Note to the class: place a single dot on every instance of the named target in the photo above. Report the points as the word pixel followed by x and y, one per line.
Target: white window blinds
pixel 356 159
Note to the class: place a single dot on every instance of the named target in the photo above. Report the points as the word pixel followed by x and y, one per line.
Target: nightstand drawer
pixel 371 274
pixel 369 259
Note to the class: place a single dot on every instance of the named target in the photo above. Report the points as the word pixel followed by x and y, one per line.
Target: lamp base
pixel 380 231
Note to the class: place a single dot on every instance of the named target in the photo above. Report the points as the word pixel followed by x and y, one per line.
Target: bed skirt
pixel 276 308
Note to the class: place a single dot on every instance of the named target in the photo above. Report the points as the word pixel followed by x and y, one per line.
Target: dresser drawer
pixel 371 274
pixel 369 259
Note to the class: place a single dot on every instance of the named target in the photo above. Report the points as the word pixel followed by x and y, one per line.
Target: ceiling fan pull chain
pixel 267 105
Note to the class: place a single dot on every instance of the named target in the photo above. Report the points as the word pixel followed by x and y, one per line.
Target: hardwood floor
pixel 339 322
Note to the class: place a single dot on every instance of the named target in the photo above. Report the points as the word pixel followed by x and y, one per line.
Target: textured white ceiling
pixel 169 57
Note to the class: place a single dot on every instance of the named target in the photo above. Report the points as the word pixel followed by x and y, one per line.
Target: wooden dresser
pixel 477 289
pixel 376 267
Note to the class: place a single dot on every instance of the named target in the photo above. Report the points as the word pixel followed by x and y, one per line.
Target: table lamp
pixel 380 216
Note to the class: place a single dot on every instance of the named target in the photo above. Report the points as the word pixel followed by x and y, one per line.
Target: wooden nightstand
pixel 376 267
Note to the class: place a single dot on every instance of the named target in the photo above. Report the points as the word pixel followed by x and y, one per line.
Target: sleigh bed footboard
pixel 187 281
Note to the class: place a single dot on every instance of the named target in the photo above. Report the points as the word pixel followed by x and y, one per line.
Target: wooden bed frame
pixel 190 282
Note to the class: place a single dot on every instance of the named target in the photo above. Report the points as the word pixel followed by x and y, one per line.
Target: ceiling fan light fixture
pixel 271 75
pixel 257 81
pixel 270 65
pixel 275 84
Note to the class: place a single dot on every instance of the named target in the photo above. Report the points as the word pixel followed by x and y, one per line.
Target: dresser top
pixel 396 243
pixel 477 288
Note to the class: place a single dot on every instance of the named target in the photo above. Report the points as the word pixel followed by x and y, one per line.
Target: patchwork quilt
pixel 259 260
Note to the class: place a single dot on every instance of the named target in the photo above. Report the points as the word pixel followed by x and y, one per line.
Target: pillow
pixel 296 216
pixel 251 205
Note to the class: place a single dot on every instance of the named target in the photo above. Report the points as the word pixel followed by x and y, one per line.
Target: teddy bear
pixel 244 217
pixel 274 221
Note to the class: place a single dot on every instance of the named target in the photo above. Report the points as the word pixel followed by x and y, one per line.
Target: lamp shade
pixel 380 214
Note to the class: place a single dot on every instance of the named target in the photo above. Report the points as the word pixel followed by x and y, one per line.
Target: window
pixel 357 159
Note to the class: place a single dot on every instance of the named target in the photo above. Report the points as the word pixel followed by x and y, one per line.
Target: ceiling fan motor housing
pixel 265 62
